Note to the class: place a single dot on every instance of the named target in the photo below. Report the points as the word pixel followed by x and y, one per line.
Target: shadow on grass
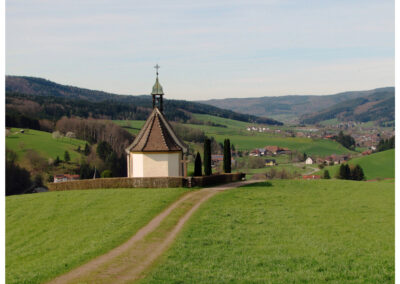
pixel 258 184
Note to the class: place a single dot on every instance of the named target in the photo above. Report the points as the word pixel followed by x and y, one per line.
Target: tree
pixel 197 166
pixel 56 135
pixel 326 174
pixel 207 157
pixel 103 150
pixel 17 178
pixel 87 150
pixel 227 156
pixel 357 173
pixel 57 161
pixel 67 158
pixel 344 172
pixel 38 180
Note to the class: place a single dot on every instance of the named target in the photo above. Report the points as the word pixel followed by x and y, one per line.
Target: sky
pixel 206 49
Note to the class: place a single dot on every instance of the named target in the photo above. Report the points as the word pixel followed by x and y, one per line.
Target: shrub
pixel 326 174
pixel 106 174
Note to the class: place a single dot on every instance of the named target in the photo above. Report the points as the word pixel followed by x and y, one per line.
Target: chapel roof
pixel 156 135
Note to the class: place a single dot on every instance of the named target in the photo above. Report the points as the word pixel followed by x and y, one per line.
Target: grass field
pixel 378 165
pixel 48 234
pixel 43 143
pixel 290 232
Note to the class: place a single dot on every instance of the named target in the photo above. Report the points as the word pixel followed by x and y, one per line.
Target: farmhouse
pixel 156 151
pixel 270 162
pixel 309 161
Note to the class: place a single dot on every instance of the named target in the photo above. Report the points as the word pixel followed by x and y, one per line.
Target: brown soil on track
pixel 128 261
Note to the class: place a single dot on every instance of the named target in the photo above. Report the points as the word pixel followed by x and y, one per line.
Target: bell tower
pixel 157 92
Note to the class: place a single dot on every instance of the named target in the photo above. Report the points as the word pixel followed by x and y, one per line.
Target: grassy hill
pixel 48 234
pixel 290 232
pixel 289 108
pixel 43 143
pixel 378 165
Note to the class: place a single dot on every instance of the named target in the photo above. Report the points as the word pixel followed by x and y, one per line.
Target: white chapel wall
pixel 155 164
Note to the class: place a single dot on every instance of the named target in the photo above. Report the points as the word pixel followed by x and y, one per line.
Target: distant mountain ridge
pixel 292 108
pixel 378 106
pixel 46 99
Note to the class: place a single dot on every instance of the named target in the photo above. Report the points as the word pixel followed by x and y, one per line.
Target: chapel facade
pixel 156 151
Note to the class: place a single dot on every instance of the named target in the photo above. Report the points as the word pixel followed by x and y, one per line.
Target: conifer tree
pixel 326 174
pixel 207 157
pixel 197 166
pixel 227 156
pixel 87 150
pixel 67 158
pixel 344 172
pixel 357 173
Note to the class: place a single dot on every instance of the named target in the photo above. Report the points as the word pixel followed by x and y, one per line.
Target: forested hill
pixel 40 98
pixel 291 108
pixel 376 107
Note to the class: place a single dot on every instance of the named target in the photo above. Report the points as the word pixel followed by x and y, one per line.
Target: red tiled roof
pixel 156 135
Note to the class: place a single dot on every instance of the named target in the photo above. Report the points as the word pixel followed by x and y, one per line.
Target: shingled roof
pixel 156 135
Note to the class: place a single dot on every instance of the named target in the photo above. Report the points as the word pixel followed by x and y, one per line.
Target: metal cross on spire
pixel 157 67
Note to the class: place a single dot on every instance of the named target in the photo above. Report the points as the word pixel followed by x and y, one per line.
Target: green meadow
pixel 48 234
pixel 376 166
pixel 288 232
pixel 43 143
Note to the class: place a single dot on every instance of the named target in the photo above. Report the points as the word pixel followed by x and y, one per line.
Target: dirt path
pixel 127 262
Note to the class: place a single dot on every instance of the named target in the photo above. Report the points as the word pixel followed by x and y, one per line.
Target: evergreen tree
pixel 326 174
pixel 197 166
pixel 57 161
pixel 67 158
pixel 104 150
pixel 344 172
pixel 347 172
pixel 227 156
pixel 87 150
pixel 357 173
pixel 207 157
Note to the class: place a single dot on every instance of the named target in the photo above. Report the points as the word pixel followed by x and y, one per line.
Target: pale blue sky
pixel 208 49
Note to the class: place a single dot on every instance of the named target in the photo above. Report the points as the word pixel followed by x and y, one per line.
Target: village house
pixel 309 161
pixel 218 159
pixel 308 177
pixel 275 150
pixel 156 151
pixel 270 162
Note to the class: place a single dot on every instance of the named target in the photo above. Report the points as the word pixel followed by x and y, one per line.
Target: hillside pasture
pixel 48 234
pixel 43 143
pixel 376 166
pixel 287 232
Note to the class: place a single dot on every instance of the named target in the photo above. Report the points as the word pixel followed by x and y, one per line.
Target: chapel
pixel 156 151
